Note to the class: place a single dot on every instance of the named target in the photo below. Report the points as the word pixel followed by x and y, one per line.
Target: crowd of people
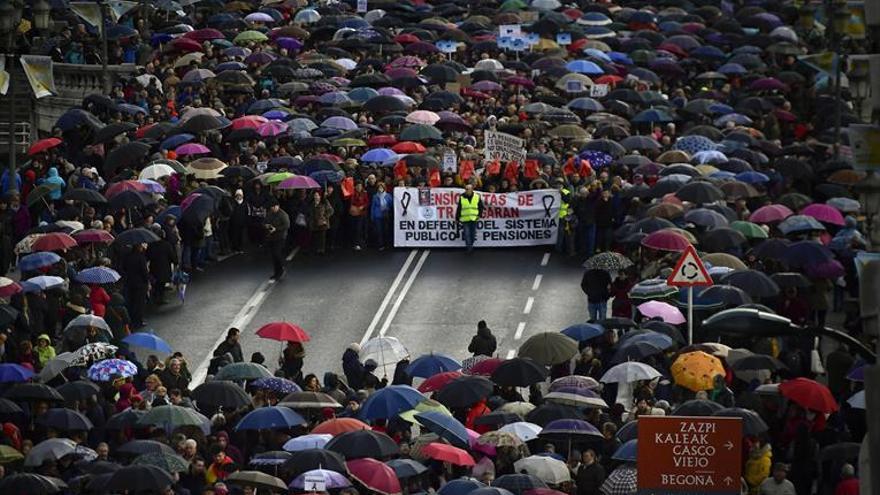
pixel 277 125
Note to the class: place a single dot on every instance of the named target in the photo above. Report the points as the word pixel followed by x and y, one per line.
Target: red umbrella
pixel 376 476
pixel 408 147
pixel 185 45
pixel 206 34
pixel 248 122
pixel 382 140
pixel 126 185
pixel 338 426
pixel 55 241
pixel 43 145
pixel 281 330
pixel 809 394
pixel 8 287
pixel 447 453
pixel 93 236
pixel 665 240
pixel 485 367
pixel 143 130
pixel 438 381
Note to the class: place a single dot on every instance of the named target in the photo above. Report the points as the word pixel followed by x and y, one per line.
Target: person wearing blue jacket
pixel 380 213
pixel 55 179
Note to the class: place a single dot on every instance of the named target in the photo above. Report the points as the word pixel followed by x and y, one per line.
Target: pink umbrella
pixel 272 128
pixel 662 310
pixel 299 182
pixel 389 91
pixel 399 72
pixel 770 214
pixel 824 213
pixel 189 200
pixel 192 149
pixel 665 240
pixel 374 475
pixel 423 117
pixel 407 61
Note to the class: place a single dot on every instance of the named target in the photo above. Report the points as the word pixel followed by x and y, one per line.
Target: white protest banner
pixel 314 483
pixel 503 147
pixel 38 69
pixel 510 30
pixel 450 162
pixel 598 90
pixel 426 218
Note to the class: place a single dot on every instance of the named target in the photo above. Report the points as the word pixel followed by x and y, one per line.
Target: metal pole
pixel 12 184
pixel 690 315
pixel 835 39
pixel 104 50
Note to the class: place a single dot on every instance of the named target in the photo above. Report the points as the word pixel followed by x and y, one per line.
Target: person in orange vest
pixel 477 410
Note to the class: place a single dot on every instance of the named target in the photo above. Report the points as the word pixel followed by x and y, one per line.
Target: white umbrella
pixel 156 172
pixel 576 400
pixel 88 321
pixel 547 469
pixel 489 64
pixel 49 450
pixel 857 401
pixel 524 430
pixel 386 352
pixel 56 365
pixel 313 441
pixel 628 372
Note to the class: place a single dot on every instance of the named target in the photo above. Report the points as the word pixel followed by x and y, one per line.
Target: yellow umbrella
pixel 724 259
pixel 696 370
pixel 9 454
pixel 424 406
pixel 705 169
pixel 544 44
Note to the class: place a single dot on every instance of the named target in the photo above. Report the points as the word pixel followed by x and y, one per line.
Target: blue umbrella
pixel 694 144
pixel 270 418
pixel 379 155
pixel 799 223
pixel 460 486
pixel 362 95
pixel 627 452
pixel 857 374
pixel 390 401
pixel 584 331
pixel 173 210
pixel 45 282
pixel 14 373
pixel 38 260
pixel 229 66
pixel 720 109
pixel 704 217
pixel 732 69
pixel 324 177
pixel 445 426
pixel 97 275
pixel 175 141
pixel 584 67
pixel 652 116
pixel 620 58
pixel 656 339
pixel 148 341
pixel 430 364
pixel 585 104
pixel 277 114
pixel 597 159
pixel 276 384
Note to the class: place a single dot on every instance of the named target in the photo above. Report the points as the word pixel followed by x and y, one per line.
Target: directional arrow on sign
pixel 728 480
pixel 729 445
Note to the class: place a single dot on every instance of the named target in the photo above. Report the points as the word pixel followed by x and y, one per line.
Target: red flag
pixel 494 168
pixel 400 170
pixel 531 170
pixel 569 169
pixel 434 178
pixel 511 171
pixel 586 169
pixel 466 169
pixel 347 187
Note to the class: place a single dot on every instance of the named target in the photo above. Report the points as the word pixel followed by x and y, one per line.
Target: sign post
pixel 690 272
pixel 689 455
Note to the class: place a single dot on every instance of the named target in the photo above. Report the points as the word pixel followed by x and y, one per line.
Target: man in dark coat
pixel 231 346
pixel 483 343
pixel 137 283
pixel 353 367
pixel 590 475
pixel 596 284
pixel 161 255
pixel 277 224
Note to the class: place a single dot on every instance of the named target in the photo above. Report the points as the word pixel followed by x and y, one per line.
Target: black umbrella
pixel 787 280
pixel 140 447
pixel 65 420
pixel 519 372
pixel 363 443
pixel 551 412
pixel 722 240
pixel 697 407
pixel 9 408
pixel 143 476
pixel 131 200
pixel 667 329
pixel 421 160
pixel 758 362
pixel 635 351
pixel 245 173
pixel 221 393
pixel 384 104
pixel 406 468
pixel 33 392
pixel 700 192
pixel 8 315
pixel 78 390
pixel 727 294
pixel 464 391
pixel 124 419
pixel 203 123
pixel 109 132
pixel 31 483
pixel 199 209
pixel 518 483
pixel 309 459
pixel 129 155
pixel 752 424
pixel 755 283
pixel 617 322
pixel 139 235
pixel 85 195
pixel 498 418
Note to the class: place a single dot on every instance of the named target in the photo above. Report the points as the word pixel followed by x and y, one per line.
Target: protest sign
pixel 503 147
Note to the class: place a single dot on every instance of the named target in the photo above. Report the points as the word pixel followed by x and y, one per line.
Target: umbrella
pixel 65 420
pixel 312 441
pixel 576 396
pixel 629 372
pixel 144 476
pixel 33 392
pixel 622 481
pixel 10 372
pixel 584 331
pixel 94 351
pixel 609 261
pixel 390 401
pixel 54 241
pixel 519 372
pixel 406 468
pixel 237 372
pixel 460 486
pixel 445 427
pixel 385 351
pixel 78 390
pixel 309 400
pixel 665 240
pixel 276 384
pixel 110 369
pixel 464 391
pixel 700 193
pixel 523 430
pixel 549 348
pixel 134 236
pixel 149 341
pixel 374 475
pixel 431 364
pixel 447 453
pixel 97 275
pixel 171 417
pixel 49 450
pixel 363 443
pixel 31 483
pixel 823 213
pixel 257 480
pixel 550 412
pixel 283 331
pixel 140 447
pixel 696 370
pixel 547 469
pixel 791 279
pixel 655 288
pixel 310 459
pixel 809 394
pixel 270 418
pixel 662 310
pixel 697 407
pixel 752 424
pixel 799 224
pixel 35 261
pixel 337 426
pixel 169 462
pixel 755 283
pixel 518 483
pixel 332 479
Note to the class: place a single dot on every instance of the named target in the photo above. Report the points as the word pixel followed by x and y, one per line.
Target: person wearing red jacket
pixel 477 410
pixel 357 212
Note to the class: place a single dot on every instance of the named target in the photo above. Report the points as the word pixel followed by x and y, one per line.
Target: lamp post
pixel 838 17
pixel 859 84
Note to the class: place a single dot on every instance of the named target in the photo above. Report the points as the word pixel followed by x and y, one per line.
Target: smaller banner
pixel 38 69
pixel 503 147
pixel 89 12
pixel 4 76
pixel 425 217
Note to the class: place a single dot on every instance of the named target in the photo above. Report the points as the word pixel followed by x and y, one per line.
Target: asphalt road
pixel 429 299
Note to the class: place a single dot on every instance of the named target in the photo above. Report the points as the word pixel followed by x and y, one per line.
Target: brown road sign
pixel 689 455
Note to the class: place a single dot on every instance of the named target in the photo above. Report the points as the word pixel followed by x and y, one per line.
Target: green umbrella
pixel 172 417
pixel 237 372
pixel 249 36
pixel 172 463
pixel 749 229
pixel 513 5
pixel 420 132
pixel 8 454
pixel 549 348
pixel 279 177
pixel 40 192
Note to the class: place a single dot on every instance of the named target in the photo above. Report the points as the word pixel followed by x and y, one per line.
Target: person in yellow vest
pixel 470 209
pixel 565 239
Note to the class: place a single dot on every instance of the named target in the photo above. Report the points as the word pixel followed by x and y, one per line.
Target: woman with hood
pixel 56 182
pixel 352 367
pixel 44 350
pixel 757 466
pixel 483 343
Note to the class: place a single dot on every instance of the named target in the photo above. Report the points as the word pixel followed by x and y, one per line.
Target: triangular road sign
pixel 689 271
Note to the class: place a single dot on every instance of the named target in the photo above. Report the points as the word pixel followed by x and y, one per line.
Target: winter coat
pixel 483 343
pixel 135 270
pixel 161 255
pixel 589 479
pixel 353 369
pixel 757 468
pixel 54 179
pixel 380 206
pixel 98 300
pixel 596 284
pixel 319 217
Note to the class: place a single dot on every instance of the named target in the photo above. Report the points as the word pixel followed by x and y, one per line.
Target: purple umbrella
pixel 827 269
pixel 259 58
pixel 272 128
pixel 486 86
pixel 289 44
pixel 192 149
pixel 770 214
pixel 299 182
pixel 768 84
pixel 341 123
pixel 332 479
pixel 389 91
pixel 824 213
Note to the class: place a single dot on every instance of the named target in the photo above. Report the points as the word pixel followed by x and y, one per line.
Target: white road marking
pixel 537 282
pixel 529 302
pixel 387 299
pixel 241 321
pixel 545 259
pixel 511 354
pixel 519 330
pixel 402 295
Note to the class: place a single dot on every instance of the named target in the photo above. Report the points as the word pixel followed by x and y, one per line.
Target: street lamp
pixel 10 18
pixel 859 85
pixel 41 11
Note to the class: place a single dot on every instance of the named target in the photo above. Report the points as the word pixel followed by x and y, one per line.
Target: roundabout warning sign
pixel 689 455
